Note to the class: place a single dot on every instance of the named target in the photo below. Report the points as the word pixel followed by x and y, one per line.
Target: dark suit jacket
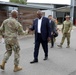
pixel 45 28
pixel 52 26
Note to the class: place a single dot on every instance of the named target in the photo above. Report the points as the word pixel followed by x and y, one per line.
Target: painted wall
pixel 47 12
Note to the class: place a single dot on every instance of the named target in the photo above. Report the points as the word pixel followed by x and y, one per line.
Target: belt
pixel 38 33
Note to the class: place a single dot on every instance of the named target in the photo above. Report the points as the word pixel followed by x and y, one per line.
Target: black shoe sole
pixel 33 62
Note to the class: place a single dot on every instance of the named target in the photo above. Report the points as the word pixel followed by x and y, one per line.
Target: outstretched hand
pixel 48 38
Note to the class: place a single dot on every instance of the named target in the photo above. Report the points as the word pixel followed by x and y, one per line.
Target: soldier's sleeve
pixel 1 29
pixel 62 27
pixel 20 29
pixel 70 28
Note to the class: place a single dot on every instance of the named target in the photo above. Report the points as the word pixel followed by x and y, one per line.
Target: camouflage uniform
pixel 10 28
pixel 66 30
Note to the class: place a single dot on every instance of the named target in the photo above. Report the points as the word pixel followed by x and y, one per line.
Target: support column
pixel 72 10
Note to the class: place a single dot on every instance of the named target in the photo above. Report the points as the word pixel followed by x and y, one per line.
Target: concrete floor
pixel 62 61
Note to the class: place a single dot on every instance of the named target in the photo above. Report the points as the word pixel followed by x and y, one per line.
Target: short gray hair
pixel 39 11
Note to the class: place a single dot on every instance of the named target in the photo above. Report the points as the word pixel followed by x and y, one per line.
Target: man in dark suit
pixel 42 34
pixel 53 29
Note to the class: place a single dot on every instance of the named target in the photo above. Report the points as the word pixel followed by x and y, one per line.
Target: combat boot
pixel 59 46
pixel 2 66
pixel 68 46
pixel 17 68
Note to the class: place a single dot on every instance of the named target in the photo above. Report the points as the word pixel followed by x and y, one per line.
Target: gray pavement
pixel 62 61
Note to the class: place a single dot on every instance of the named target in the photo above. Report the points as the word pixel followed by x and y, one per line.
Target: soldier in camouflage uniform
pixel 10 28
pixel 66 30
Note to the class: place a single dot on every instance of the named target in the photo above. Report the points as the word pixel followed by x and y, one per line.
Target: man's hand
pixel 48 38
pixel 51 33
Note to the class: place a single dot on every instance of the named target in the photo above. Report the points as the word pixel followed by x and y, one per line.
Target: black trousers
pixel 52 40
pixel 37 45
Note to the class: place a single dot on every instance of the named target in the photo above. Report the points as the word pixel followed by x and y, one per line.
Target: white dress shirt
pixel 39 25
pixel 49 21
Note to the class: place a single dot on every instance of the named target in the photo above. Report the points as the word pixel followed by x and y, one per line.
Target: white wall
pixel 48 12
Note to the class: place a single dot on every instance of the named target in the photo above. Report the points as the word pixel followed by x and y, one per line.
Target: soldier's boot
pixel 68 46
pixel 17 68
pixel 2 66
pixel 59 46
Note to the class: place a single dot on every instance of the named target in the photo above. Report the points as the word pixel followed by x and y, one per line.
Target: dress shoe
pixel 45 58
pixel 34 61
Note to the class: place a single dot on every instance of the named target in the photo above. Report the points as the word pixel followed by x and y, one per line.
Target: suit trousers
pixel 37 45
pixel 52 40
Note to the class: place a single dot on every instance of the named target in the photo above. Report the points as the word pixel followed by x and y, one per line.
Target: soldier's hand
pixel 24 33
pixel 68 31
pixel 27 31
